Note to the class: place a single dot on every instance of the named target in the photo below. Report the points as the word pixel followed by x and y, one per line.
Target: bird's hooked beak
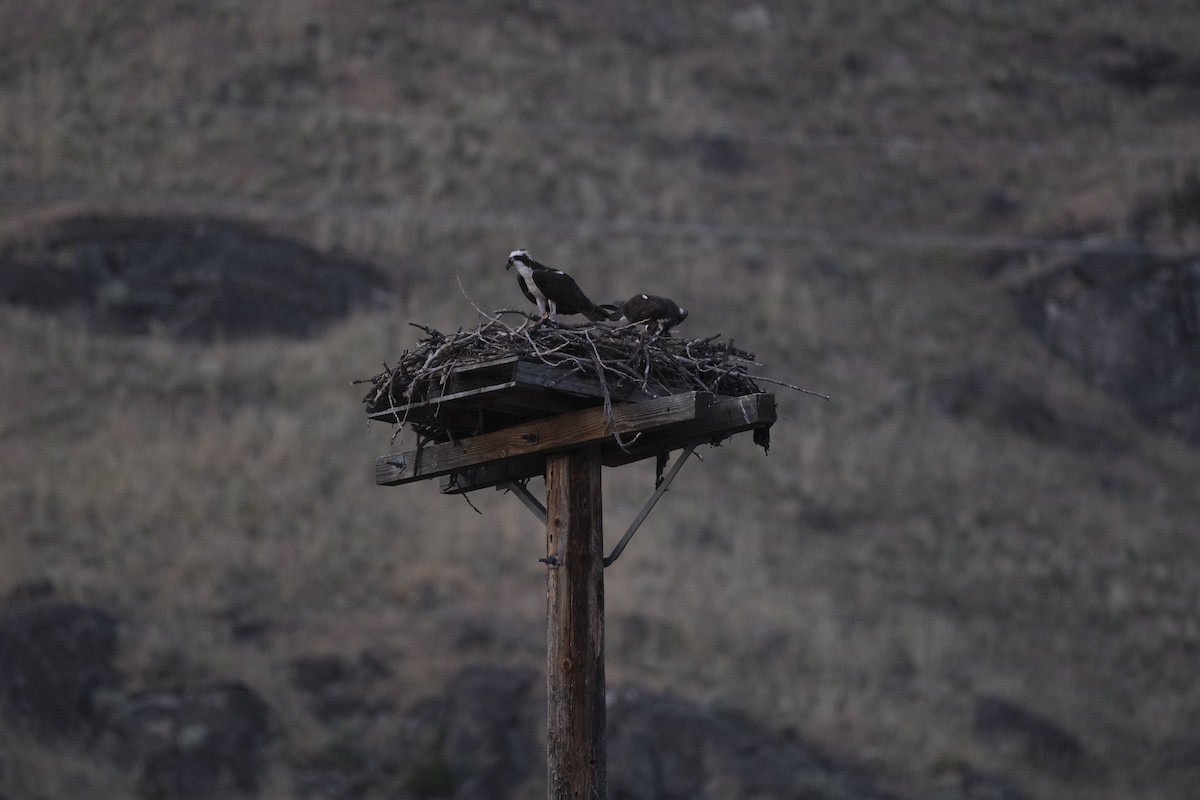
pixel 682 315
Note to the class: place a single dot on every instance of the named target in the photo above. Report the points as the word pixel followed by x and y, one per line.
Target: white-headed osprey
pixel 554 291
pixel 657 314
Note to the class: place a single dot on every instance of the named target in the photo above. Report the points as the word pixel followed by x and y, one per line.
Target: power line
pixel 139 202
pixel 894 144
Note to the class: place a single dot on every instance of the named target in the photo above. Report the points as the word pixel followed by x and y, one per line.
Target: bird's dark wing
pixel 642 307
pixel 566 294
pixel 611 310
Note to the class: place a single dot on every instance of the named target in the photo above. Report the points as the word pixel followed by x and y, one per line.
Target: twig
pixel 656 365
pixel 607 399
pixel 790 386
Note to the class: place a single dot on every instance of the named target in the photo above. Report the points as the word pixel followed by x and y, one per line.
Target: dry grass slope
pixel 811 180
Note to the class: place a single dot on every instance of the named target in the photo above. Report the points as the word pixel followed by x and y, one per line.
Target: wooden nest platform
pixel 487 404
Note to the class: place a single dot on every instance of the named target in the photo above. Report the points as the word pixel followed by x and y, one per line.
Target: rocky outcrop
pixel 481 738
pixel 1011 728
pixel 478 740
pixel 1131 323
pixel 203 740
pixel 59 684
pixel 664 748
pixel 192 277
pixel 56 658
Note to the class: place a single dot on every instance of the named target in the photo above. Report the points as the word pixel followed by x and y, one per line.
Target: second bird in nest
pixel 656 314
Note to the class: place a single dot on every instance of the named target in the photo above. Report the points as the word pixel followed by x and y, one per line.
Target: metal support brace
pixel 646 509
pixel 523 494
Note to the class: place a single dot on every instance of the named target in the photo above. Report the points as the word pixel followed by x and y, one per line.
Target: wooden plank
pixel 504 405
pixel 397 413
pixel 480 384
pixel 726 417
pixel 527 403
pixel 471 381
pixel 483 476
pixel 511 385
pixel 575 712
pixel 552 434
pixel 532 373
pixel 483 366
pixel 483 373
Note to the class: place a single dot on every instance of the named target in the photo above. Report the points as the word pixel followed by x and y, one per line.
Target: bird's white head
pixel 516 256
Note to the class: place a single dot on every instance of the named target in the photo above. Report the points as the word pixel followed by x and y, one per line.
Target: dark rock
pixel 315 673
pixel 247 596
pixel 856 64
pixel 29 592
pixel 1176 767
pixel 1131 323
pixel 468 632
pixel 38 283
pixel 481 738
pixel 338 687
pixel 345 768
pixel 1182 754
pixel 56 658
pixel 1004 404
pixel 1182 206
pixel 663 748
pixel 196 741
pixel 722 152
pixel 1013 728
pixel 998 204
pixel 477 740
pixel 1139 66
pixel 58 680
pixel 189 277
pixel 821 519
pixel 489 741
pixel 968 783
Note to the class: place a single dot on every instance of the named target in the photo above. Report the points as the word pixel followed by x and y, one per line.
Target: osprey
pixel 656 314
pixel 554 291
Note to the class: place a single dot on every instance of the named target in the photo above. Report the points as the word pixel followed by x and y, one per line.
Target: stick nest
pixel 616 355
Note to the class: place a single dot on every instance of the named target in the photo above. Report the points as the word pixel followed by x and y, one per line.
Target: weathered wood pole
pixel 575 747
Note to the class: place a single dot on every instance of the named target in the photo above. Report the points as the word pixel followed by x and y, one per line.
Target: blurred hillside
pixel 971 574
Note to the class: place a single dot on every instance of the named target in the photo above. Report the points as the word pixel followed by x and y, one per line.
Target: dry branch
pixel 615 355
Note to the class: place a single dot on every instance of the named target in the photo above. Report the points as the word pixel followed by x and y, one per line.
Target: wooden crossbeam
pixel 724 417
pixel 540 437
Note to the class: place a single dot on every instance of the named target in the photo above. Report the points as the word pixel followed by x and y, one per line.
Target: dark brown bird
pixel 656 314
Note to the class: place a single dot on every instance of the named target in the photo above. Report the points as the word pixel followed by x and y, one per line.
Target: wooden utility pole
pixel 575 741
pixel 509 420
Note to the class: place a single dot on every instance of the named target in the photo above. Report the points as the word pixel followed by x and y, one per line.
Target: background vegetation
pixel 847 189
